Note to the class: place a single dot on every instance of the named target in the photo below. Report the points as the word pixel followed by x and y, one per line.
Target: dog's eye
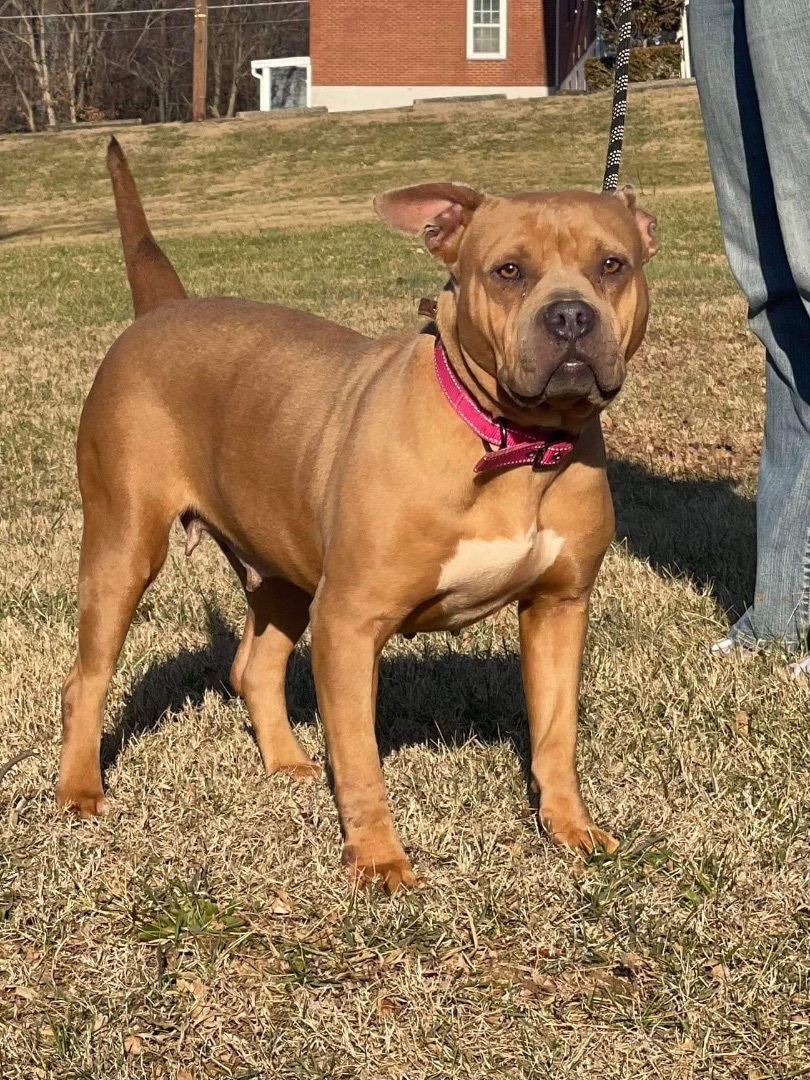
pixel 612 265
pixel 509 272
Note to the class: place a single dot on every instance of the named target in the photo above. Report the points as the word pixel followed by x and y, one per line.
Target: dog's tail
pixel 152 278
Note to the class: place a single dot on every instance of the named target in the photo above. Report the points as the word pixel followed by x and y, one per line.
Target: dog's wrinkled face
pixel 551 299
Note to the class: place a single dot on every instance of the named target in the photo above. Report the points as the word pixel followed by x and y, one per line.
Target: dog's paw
pixel 85 803
pixel 578 834
pixel 392 874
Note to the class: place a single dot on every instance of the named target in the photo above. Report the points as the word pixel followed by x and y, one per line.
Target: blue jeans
pixel 752 61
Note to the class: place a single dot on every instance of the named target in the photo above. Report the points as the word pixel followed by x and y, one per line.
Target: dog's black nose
pixel 569 320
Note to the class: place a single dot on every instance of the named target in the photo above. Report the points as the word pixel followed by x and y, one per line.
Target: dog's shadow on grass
pixel 696 527
pixel 171 684
pixel 700 528
pixel 434 695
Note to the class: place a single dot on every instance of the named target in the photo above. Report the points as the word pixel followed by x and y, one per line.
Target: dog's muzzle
pixel 563 358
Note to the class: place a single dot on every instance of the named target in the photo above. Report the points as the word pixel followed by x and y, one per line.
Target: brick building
pixel 368 54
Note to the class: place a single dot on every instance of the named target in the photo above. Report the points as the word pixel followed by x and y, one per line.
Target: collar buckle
pixel 551 454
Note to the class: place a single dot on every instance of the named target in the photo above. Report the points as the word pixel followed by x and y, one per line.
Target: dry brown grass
pixel 205 928
pixel 250 175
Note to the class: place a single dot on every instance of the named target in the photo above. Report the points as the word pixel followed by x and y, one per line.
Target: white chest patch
pixel 482 575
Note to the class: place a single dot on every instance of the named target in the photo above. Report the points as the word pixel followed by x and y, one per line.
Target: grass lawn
pixel 205 928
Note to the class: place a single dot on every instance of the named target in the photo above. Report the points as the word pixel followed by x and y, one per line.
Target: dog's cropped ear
pixel 647 223
pixel 440 212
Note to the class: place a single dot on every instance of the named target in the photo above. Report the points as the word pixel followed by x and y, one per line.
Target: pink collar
pixel 542 448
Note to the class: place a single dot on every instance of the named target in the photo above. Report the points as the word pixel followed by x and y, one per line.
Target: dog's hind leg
pixel 246 643
pixel 251 581
pixel 278 616
pixel 243 655
pixel 123 548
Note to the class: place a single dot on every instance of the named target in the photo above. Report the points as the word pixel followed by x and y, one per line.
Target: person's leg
pixel 746 166
pixel 778 33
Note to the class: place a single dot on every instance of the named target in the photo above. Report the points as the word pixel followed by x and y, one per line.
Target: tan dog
pixel 339 479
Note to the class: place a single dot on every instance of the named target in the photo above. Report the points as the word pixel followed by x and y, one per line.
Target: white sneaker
pixel 801 667
pixel 724 647
pixel 729 646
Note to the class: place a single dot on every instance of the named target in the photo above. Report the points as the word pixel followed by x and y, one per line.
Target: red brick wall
pixel 420 43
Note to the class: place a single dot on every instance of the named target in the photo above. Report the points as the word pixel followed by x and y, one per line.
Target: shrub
pixel 599 73
pixel 655 62
pixel 653 21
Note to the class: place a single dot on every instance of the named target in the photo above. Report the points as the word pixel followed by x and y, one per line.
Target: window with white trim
pixel 486 29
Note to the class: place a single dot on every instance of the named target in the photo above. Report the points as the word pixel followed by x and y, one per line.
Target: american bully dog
pixel 367 487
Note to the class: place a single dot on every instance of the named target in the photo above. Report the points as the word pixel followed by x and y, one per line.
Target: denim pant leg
pixel 754 169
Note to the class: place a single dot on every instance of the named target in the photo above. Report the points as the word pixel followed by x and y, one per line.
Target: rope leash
pixel 621 77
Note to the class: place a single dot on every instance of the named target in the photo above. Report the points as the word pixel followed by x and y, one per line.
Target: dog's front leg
pixel 552 641
pixel 345 659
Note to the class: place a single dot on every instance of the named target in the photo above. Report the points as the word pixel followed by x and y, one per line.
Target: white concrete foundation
pixel 353 98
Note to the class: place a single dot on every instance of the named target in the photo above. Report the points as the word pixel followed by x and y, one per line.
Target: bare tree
pixel 30 30
pixel 157 58
pixel 84 36
pixel 19 93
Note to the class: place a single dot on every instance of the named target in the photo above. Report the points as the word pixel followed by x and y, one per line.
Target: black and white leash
pixel 621 78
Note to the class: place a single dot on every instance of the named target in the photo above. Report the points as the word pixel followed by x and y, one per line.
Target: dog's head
pixel 550 298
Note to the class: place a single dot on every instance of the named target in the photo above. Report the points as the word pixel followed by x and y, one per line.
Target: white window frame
pixel 263 71
pixel 471 54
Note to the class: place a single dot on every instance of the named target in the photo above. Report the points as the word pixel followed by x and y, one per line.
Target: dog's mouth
pixel 522 401
pixel 573 381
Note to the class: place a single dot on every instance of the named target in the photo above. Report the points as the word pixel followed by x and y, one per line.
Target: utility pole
pixel 200 73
